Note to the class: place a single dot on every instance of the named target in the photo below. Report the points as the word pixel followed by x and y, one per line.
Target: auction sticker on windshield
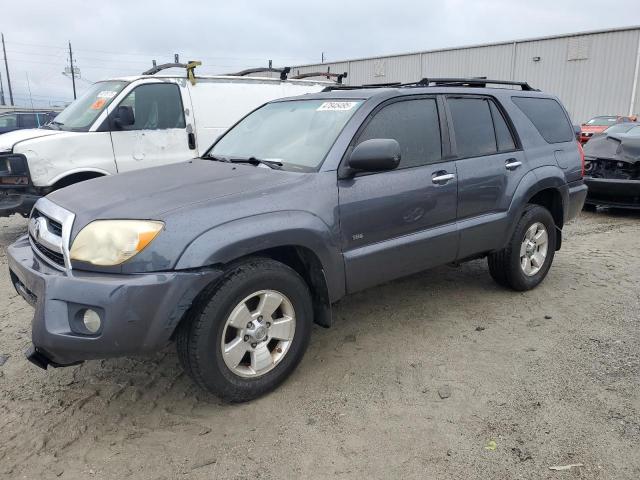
pixel 336 106
pixel 106 94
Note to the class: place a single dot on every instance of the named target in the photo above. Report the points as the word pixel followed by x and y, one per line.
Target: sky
pixel 116 37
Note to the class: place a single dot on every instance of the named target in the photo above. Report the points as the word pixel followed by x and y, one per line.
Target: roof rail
pixel 190 66
pixel 338 76
pixel 467 82
pixel 479 82
pixel 284 72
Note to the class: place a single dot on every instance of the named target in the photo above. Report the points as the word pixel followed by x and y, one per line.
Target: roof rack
pixel 282 71
pixel 478 82
pixel 285 71
pixel 190 66
pixel 338 76
pixel 468 82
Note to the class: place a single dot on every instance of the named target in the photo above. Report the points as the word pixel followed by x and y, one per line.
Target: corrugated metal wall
pixel 592 73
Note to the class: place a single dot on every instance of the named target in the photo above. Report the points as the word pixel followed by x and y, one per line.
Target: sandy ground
pixel 551 376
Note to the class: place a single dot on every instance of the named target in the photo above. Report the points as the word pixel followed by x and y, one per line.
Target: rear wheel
pixel 249 332
pixel 526 260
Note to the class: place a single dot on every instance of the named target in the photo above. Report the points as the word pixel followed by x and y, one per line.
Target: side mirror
pixel 375 155
pixel 577 130
pixel 124 116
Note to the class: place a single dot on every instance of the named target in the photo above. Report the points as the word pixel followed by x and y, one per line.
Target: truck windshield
pixel 80 115
pixel 296 133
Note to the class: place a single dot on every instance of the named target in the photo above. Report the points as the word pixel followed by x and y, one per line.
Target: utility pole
pixel 6 66
pixel 322 58
pixel 73 71
pixel 1 92
pixel 29 87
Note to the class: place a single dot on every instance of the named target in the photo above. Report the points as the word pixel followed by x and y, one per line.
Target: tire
pixel 241 292
pixel 507 267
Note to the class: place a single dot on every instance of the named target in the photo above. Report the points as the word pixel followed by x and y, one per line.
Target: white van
pixel 127 124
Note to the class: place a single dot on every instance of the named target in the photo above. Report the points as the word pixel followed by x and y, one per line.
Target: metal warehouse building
pixel 593 73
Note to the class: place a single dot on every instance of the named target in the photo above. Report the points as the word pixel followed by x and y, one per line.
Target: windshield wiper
pixel 274 164
pixel 217 158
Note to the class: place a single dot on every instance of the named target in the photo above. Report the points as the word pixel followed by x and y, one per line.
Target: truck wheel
pixel 525 261
pixel 248 332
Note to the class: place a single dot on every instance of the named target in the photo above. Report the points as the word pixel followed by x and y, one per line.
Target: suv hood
pixel 155 193
pixel 8 140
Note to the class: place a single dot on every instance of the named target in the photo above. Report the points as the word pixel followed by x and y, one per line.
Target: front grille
pixel 45 233
pixel 55 257
pixel 54 226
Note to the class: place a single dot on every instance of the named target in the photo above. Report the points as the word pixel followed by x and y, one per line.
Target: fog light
pixel 91 320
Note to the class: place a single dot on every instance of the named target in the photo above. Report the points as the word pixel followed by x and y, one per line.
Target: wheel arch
pixel 76 176
pixel 547 187
pixel 298 239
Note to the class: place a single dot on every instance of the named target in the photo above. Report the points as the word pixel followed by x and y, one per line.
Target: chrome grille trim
pixel 42 232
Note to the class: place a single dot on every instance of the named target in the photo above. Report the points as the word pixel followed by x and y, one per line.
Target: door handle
pixel 441 178
pixel 512 164
pixel 192 141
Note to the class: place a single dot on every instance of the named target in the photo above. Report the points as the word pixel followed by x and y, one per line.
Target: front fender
pixel 53 157
pixel 246 236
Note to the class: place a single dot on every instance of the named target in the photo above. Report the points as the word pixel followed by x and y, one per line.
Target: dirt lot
pixel 551 376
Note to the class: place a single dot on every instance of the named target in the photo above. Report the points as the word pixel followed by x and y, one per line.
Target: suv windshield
pixel 296 133
pixel 80 115
pixel 602 121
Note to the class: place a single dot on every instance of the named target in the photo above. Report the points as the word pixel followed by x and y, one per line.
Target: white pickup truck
pixel 126 124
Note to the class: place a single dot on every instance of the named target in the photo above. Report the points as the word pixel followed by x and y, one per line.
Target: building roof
pixel 463 47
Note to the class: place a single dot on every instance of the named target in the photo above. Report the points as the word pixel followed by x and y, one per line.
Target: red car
pixel 599 124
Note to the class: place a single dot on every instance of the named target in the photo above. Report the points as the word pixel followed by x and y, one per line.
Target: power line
pixel 157 54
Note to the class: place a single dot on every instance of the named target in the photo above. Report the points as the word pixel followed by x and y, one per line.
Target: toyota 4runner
pixel 234 255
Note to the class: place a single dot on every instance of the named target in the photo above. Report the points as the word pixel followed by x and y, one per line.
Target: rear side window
pixel 503 134
pixel 414 125
pixel 548 117
pixel 473 123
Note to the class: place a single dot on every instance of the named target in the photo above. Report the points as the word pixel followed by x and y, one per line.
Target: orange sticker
pixel 98 104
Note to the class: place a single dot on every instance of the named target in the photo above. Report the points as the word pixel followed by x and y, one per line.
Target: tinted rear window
pixel 503 134
pixel 480 128
pixel 548 117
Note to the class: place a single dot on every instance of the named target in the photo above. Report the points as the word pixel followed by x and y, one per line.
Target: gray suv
pixel 234 255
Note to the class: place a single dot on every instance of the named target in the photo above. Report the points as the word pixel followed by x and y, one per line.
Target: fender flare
pixel 536 180
pixel 230 241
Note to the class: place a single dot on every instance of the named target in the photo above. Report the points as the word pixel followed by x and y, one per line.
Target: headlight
pixel 111 242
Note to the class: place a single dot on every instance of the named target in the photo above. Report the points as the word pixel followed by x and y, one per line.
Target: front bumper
pixel 613 192
pixel 16 202
pixel 139 312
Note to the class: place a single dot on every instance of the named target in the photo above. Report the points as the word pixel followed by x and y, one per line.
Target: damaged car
pixel 612 169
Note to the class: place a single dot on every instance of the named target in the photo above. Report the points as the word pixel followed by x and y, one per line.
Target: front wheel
pixel 249 333
pixel 526 260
